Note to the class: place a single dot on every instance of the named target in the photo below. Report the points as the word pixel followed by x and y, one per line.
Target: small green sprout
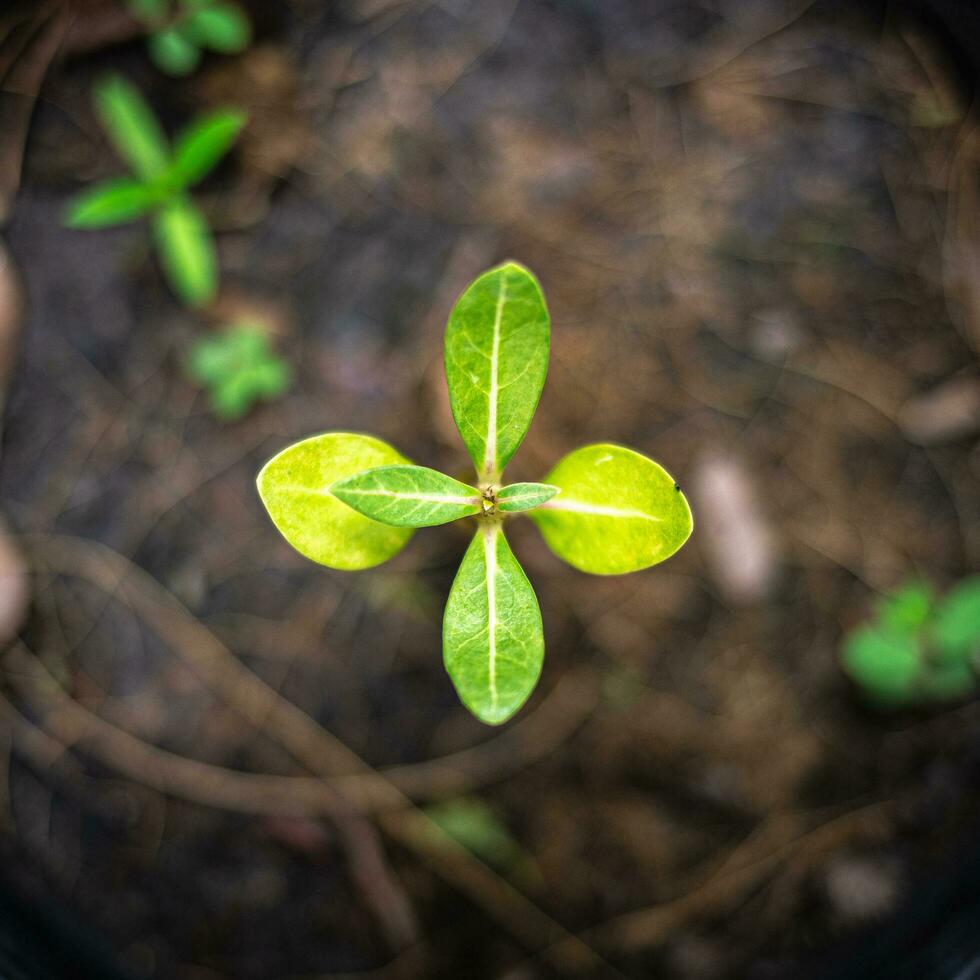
pixel 180 32
pixel 158 189
pixel 239 368
pixel 476 826
pixel 352 501
pixel 917 649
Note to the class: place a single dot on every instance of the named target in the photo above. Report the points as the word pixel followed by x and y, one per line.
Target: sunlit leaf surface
pixel 295 488
pixel 617 511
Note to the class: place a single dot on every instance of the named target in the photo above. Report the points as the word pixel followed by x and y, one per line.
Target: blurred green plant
pixel 239 368
pixel 179 32
pixel 475 825
pixel 352 501
pixel 159 186
pixel 918 649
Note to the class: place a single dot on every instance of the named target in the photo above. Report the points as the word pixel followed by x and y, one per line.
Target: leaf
pixel 203 144
pixel 239 367
pixel 908 609
pixel 475 826
pixel 113 202
pixel 222 27
pixel 295 488
pixel 408 496
pixel 492 636
pixel 272 378
pixel 232 398
pixel 186 251
pixel 131 126
pixel 523 496
pixel 172 52
pixel 617 511
pixel 886 665
pixel 496 361
pixel 955 631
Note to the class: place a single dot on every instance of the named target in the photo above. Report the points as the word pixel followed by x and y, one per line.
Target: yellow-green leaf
pixel 617 511
pixel 408 496
pixel 492 636
pixel 497 344
pixel 295 488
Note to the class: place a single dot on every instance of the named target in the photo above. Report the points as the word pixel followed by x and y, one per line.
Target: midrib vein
pixel 490 463
pixel 599 510
pixel 429 498
pixel 490 554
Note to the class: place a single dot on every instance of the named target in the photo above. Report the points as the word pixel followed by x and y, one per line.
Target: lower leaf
pixel 492 637
pixel 186 251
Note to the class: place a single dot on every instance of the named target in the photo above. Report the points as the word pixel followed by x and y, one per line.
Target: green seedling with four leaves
pixel 352 501
pixel 239 368
pixel 918 649
pixel 179 33
pixel 158 189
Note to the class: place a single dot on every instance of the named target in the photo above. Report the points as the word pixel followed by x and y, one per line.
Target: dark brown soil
pixel 753 223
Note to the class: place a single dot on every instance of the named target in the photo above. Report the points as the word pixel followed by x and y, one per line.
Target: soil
pixel 754 224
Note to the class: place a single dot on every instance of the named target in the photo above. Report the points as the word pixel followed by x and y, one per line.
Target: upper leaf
pixel 524 496
pixel 617 511
pixel 295 488
pixel 956 627
pixel 492 636
pixel 408 496
pixel 186 251
pixel 496 361
pixel 204 143
pixel 112 202
pixel 131 126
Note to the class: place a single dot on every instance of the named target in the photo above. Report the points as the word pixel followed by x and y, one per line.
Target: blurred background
pixel 757 226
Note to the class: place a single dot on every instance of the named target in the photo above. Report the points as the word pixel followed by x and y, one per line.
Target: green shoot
pixel 179 33
pixel 239 368
pixel 350 501
pixel 917 649
pixel 158 189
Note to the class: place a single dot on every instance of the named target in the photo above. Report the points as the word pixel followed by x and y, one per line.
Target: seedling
pixel 477 827
pixel 918 649
pixel 179 33
pixel 239 368
pixel 352 501
pixel 158 188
